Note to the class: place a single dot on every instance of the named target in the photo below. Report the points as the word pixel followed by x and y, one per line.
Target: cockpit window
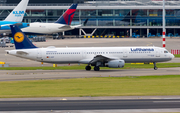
pixel 165 51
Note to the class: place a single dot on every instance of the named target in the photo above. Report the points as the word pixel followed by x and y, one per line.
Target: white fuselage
pixel 86 54
pixel 46 28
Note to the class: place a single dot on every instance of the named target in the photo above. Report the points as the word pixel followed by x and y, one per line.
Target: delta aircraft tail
pixel 20 39
pixel 67 17
pixel 18 13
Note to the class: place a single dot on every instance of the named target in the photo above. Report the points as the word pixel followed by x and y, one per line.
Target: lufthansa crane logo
pixel 19 37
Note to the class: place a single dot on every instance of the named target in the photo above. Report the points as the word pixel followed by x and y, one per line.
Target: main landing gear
pixel 88 68
pixel 155 68
pixel 96 68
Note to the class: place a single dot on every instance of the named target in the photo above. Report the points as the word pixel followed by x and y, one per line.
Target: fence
pixel 175 51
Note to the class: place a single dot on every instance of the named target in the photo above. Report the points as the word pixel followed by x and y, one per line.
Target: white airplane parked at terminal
pixel 112 57
pixel 62 24
pixel 14 18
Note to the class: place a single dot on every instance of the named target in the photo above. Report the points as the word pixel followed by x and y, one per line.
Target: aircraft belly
pixel 134 60
pixel 61 59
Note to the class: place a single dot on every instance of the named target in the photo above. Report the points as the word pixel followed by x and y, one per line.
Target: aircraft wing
pixel 98 58
pixel 102 58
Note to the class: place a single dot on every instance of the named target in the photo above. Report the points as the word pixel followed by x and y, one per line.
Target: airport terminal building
pixel 124 18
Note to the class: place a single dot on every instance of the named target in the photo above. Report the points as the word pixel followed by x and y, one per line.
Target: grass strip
pixel 177 56
pixel 82 67
pixel 107 86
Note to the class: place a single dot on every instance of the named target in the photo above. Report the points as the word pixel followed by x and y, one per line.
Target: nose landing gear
pixel 155 68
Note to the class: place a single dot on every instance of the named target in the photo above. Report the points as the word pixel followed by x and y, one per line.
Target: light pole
pixel 164 24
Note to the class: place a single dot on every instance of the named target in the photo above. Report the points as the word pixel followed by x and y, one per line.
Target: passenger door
pixel 157 52
pixel 83 54
pixel 39 54
pixel 125 53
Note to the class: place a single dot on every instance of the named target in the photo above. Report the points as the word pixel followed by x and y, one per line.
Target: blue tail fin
pixel 20 39
pixel 67 17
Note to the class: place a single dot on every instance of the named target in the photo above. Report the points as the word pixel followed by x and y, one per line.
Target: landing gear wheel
pixel 96 68
pixel 88 68
pixel 155 68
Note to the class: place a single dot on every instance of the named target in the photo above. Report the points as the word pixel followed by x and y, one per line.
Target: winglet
pixel 18 13
pixel 20 39
pixel 67 17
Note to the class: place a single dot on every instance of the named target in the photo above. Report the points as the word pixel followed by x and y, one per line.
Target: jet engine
pixel 116 64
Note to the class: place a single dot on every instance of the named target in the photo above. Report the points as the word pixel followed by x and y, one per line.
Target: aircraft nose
pixel 172 56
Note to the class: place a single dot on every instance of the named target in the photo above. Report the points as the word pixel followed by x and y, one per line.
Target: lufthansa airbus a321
pixel 112 57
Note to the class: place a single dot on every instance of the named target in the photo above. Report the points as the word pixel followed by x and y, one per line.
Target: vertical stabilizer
pixel 20 39
pixel 18 13
pixel 67 17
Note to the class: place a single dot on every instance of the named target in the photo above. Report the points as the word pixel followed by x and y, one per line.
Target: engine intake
pixel 116 64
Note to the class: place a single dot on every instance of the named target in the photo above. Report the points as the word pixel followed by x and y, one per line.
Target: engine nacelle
pixel 116 64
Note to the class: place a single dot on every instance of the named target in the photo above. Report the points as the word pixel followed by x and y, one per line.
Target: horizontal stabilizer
pixel 21 52
pixel 77 26
pixel 65 27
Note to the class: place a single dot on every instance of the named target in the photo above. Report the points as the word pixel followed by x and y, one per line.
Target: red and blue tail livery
pixel 67 17
pixel 20 39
